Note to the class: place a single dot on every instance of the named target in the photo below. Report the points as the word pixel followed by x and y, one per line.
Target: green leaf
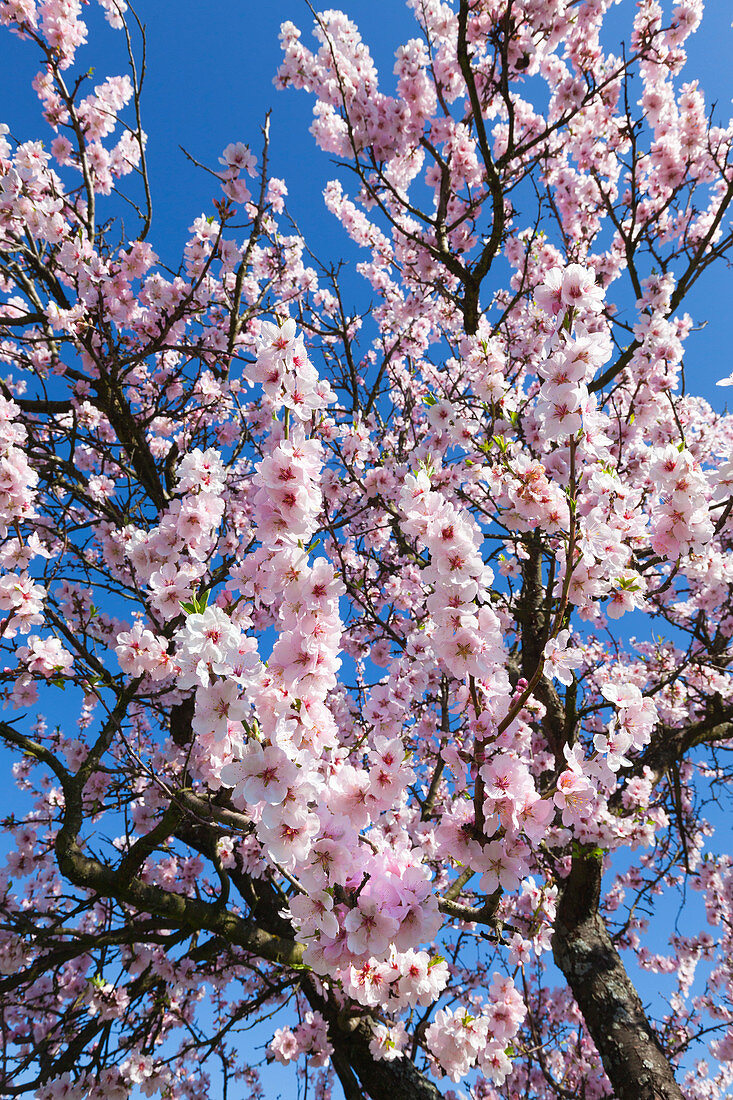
pixel 197 604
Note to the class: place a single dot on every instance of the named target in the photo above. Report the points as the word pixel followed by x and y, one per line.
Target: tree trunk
pixel 352 1059
pixel 633 1060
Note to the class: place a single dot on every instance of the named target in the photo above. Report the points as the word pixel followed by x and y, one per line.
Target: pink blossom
pixel 262 775
pixel 560 660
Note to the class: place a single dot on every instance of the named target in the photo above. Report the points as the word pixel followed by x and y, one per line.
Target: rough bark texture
pixel 533 617
pixel 632 1057
pixel 352 1059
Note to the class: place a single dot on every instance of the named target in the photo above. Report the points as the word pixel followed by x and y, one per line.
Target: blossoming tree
pixel 324 701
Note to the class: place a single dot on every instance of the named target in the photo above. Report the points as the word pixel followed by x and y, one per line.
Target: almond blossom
pixel 388 588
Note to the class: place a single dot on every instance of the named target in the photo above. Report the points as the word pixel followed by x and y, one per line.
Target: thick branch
pixel 669 745
pixel 472 282
pixel 533 618
pixel 350 1036
pixel 90 874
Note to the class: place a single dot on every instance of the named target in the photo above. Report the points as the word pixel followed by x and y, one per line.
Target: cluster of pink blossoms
pixel 404 979
pixel 21 599
pixel 215 656
pixel 140 652
pixel 378 120
pixel 236 159
pixel 97 116
pixel 513 814
pixel 289 380
pixel 572 360
pixel 681 521
pixel 460 1040
pixel 309 1037
pixel 466 632
pixel 630 728
pixel 361 905
pixel 139 1071
pixel 169 558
